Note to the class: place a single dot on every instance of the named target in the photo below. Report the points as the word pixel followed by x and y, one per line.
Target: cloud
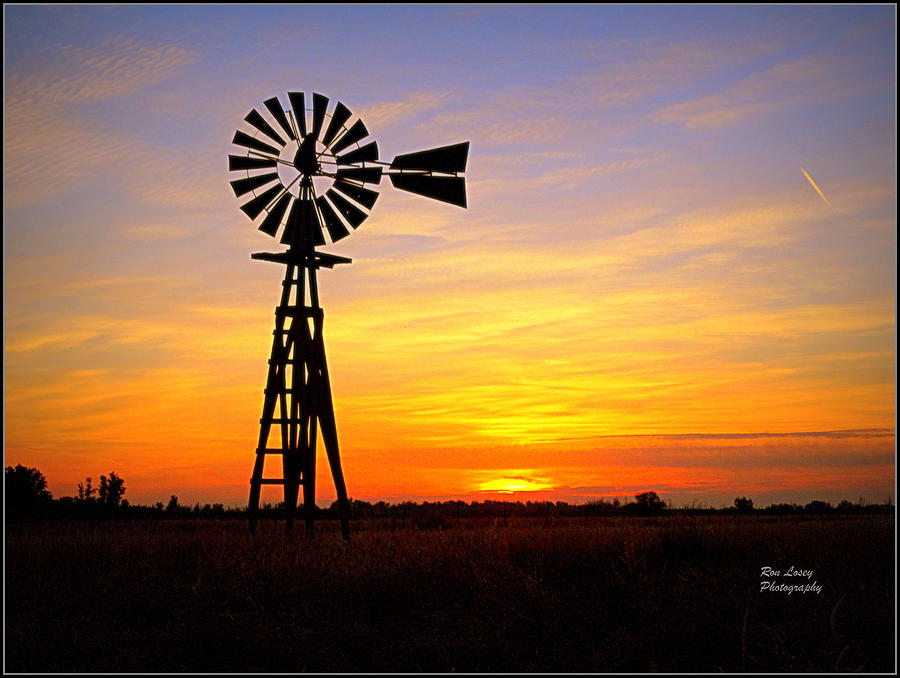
pixel 633 70
pixel 153 232
pixel 567 178
pixel 383 114
pixel 811 80
pixel 514 115
pixel 113 68
pixel 49 144
pixel 834 435
pixel 578 107
pixel 47 150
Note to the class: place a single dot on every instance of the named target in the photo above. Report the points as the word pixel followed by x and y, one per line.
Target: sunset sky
pixel 676 271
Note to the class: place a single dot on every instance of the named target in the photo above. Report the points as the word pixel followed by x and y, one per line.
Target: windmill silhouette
pixel 308 175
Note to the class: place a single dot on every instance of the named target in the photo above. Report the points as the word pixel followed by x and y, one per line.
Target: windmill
pixel 310 179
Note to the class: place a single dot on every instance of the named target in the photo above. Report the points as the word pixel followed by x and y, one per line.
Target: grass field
pixel 580 595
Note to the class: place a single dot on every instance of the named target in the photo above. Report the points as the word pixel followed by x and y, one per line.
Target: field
pixel 578 595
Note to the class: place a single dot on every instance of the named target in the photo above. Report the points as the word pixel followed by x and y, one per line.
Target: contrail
pixel 818 190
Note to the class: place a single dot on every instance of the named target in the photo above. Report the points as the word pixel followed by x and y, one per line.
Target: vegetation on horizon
pixel 27 497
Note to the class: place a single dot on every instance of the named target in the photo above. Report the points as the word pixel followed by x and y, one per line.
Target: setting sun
pixel 510 485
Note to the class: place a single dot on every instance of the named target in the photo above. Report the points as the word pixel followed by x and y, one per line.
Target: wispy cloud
pixel 112 68
pixel 834 435
pixel 810 80
pixel 49 143
pixel 632 70
pixel 379 115
pixel 593 104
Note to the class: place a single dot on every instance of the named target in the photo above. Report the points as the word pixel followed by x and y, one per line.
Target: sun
pixel 512 484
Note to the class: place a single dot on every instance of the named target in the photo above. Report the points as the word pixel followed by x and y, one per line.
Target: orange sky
pixel 646 292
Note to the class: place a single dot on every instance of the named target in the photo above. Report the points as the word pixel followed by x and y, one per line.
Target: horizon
pixel 673 501
pixel 676 273
pixel 516 497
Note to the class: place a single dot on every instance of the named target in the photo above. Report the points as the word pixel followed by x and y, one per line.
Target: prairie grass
pixel 579 595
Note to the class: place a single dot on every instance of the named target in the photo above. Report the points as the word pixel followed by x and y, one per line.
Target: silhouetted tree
pixel 172 506
pixel 646 504
pixel 360 508
pixel 26 491
pixel 743 505
pixel 212 510
pixel 86 490
pixel 817 506
pixel 846 507
pixel 111 490
pixel 783 509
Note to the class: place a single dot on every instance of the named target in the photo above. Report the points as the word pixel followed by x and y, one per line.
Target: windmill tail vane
pixel 311 174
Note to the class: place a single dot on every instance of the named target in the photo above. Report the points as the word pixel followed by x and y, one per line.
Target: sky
pixel 676 271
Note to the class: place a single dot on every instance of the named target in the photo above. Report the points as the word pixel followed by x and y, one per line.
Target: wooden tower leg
pixel 309 486
pixel 274 394
pixel 308 411
pixel 329 437
pixel 329 427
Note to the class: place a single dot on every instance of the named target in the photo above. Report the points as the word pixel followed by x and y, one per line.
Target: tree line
pixel 27 496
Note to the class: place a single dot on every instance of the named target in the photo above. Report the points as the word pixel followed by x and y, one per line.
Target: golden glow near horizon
pixel 513 484
pixel 642 295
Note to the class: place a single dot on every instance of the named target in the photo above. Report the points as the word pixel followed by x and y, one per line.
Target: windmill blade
pixel 290 226
pixel 361 195
pixel 355 133
pixel 445 189
pixel 350 212
pixel 333 223
pixel 367 153
pixel 298 107
pixel 259 122
pixel 277 112
pixel 255 207
pixel 242 186
pixel 320 105
pixel 272 221
pixel 242 139
pixel 338 118
pixel 245 162
pixel 444 159
pixel 370 175
pixel 303 224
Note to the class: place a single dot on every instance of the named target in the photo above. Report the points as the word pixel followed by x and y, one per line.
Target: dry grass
pixel 671 594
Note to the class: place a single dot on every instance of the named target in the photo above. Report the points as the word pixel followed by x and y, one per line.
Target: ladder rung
pixel 281 421
pixel 299 312
pixel 272 481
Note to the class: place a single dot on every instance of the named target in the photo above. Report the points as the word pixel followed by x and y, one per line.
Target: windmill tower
pixel 308 177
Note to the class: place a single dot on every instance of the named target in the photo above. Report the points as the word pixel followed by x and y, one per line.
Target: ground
pixel 486 595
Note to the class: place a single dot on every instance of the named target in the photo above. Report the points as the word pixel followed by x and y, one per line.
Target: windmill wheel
pixel 305 168
pixel 308 174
